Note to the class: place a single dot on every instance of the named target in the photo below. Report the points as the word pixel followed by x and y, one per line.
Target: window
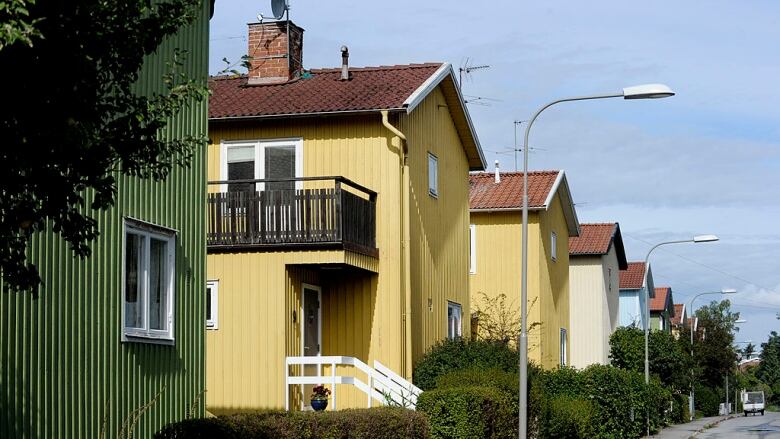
pixel 454 320
pixel 262 160
pixel 433 175
pixel 564 347
pixel 148 282
pixel 212 304
pixel 472 249
pixel 553 246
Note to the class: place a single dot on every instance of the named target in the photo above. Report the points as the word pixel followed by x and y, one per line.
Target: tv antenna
pixel 279 8
pixel 467 69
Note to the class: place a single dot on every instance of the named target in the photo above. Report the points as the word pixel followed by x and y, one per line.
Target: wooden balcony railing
pixel 336 212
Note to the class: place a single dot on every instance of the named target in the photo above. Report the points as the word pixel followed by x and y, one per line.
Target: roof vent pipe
pixel 498 174
pixel 344 63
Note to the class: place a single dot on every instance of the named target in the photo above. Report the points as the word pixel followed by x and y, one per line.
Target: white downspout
pixel 406 283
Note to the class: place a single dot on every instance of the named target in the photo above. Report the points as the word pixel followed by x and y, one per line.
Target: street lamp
pixel 690 307
pixel 646 91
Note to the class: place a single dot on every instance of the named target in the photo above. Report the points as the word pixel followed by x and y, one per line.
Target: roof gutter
pixel 311 114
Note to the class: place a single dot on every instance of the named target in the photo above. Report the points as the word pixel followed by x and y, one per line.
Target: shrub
pixel 380 423
pixel 706 400
pixel 680 411
pixel 451 355
pixel 468 412
pixel 566 417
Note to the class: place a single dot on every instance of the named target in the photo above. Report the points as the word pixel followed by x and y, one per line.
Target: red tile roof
pixel 632 277
pixel 508 194
pixel 594 239
pixel 658 303
pixel 678 313
pixel 370 88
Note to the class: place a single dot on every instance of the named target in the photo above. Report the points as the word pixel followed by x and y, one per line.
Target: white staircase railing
pixel 381 384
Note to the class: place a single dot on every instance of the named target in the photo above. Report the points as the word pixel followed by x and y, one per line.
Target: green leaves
pixel 80 116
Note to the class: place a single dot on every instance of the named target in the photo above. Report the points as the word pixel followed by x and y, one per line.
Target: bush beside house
pixel 375 423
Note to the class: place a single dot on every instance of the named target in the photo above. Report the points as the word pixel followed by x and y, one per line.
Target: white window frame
pixel 213 322
pixel 149 230
pixel 564 347
pixel 451 331
pixel 259 146
pixel 433 178
pixel 553 246
pixel 472 249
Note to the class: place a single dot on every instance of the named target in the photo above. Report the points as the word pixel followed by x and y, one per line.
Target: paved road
pixel 764 427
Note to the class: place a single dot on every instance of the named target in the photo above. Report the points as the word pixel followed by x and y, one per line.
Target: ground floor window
pixel 148 282
pixel 454 320
pixel 212 304
pixel 564 347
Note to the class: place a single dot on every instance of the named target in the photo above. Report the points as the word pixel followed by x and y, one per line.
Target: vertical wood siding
pixel 362 312
pixel 498 271
pixel 63 370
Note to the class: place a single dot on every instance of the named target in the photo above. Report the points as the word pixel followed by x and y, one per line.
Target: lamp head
pixel 647 91
pixel 740 321
pixel 705 238
pixel 728 291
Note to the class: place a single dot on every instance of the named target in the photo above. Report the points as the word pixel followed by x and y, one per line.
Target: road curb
pixel 713 425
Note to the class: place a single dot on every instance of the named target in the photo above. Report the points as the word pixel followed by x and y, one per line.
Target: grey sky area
pixel 704 161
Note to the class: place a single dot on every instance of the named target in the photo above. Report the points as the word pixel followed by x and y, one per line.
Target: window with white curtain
pixel 212 304
pixel 454 320
pixel 433 175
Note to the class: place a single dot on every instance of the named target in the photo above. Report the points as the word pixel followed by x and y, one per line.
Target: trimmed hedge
pixel 379 423
pixel 469 413
pixel 680 411
pixel 566 417
pixel 457 354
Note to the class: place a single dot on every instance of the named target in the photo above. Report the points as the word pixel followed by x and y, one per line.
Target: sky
pixel 702 162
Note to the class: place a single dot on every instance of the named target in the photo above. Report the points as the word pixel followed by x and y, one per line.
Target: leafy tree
pixel 768 370
pixel 748 351
pixel 714 353
pixel 16 24
pixel 74 119
pixel 669 357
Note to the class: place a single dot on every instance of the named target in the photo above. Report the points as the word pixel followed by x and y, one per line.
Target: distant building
pixel 662 309
pixel 632 294
pixel 595 260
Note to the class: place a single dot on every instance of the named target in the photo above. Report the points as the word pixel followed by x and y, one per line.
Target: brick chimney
pixel 272 58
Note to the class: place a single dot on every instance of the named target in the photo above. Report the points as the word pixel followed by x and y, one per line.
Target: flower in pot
pixel 319 397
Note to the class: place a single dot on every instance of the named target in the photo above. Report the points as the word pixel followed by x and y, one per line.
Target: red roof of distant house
pixel 658 303
pixel 632 278
pixel 594 239
pixel 369 88
pixel 508 194
pixel 679 308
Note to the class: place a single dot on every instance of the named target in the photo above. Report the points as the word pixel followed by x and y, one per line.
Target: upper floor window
pixel 433 175
pixel 553 246
pixel 212 304
pixel 454 320
pixel 279 160
pixel 472 249
pixel 148 282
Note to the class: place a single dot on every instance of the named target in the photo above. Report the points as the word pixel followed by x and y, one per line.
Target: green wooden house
pixel 123 329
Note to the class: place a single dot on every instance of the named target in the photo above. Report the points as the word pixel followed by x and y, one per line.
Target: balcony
pixel 295 213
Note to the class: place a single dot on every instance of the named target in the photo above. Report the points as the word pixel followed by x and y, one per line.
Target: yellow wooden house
pixel 337 226
pixel 495 257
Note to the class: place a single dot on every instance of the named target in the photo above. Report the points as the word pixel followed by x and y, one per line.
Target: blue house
pixel 632 294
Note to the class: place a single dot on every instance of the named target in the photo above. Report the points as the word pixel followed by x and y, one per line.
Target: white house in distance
pixel 595 260
pixel 632 294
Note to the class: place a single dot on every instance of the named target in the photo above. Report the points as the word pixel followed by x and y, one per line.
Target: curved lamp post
pixel 690 307
pixel 646 91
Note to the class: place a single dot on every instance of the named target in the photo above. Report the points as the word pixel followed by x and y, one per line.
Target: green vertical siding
pixel 63 370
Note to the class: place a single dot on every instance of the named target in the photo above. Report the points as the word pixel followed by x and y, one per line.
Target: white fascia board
pixel 426 87
pixel 566 200
pixel 553 190
pixel 507 209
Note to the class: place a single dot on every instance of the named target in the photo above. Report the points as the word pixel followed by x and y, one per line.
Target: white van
pixel 753 402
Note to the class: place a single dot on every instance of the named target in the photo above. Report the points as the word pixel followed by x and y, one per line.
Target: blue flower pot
pixel 319 404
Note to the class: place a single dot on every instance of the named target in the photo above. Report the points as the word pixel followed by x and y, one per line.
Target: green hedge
pixel 452 355
pixel 567 417
pixel 469 413
pixel 681 413
pixel 379 423
pixel 707 400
